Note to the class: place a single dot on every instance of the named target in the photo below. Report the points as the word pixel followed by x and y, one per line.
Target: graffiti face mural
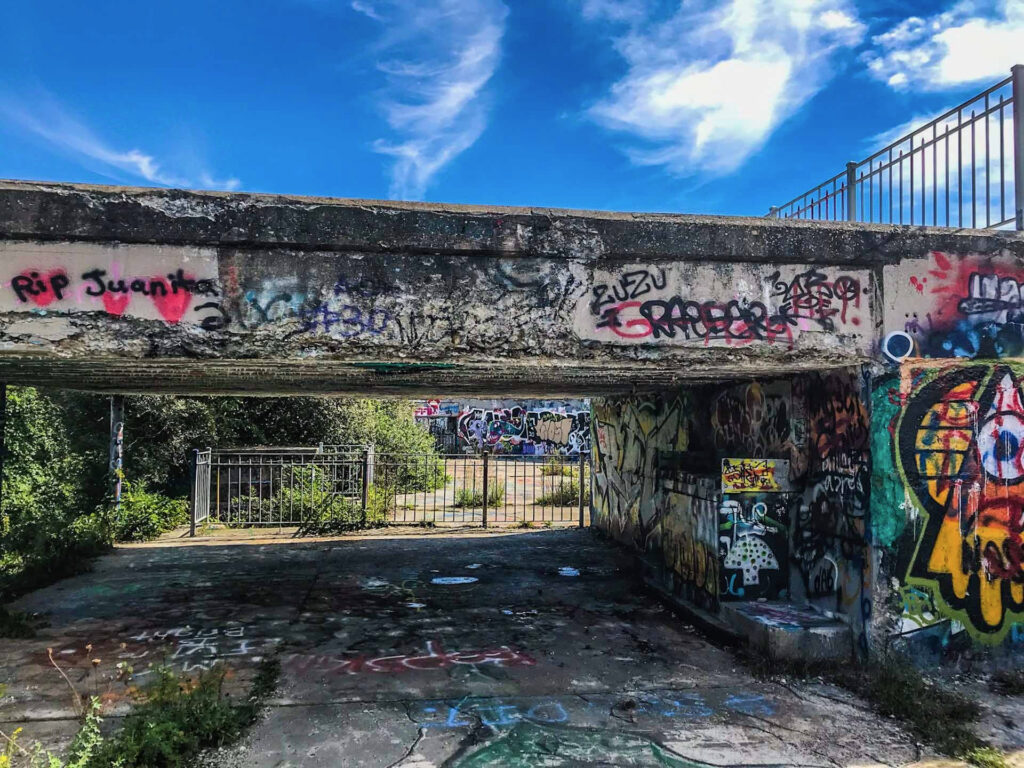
pixel 961 452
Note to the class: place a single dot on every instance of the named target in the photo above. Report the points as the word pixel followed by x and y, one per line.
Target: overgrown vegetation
pixel 56 511
pixel 565 494
pixel 1008 682
pixel 896 688
pixel 556 467
pixel 471 497
pixel 172 721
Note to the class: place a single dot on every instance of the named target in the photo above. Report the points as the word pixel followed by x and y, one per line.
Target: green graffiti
pixel 888 496
pixel 529 744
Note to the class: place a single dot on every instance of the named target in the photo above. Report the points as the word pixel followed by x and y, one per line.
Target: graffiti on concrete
pixel 528 744
pixel 644 497
pixel 753 531
pixel 434 658
pixel 167 284
pixel 763 421
pixel 188 648
pixel 961 452
pixel 524 431
pixel 742 475
pixel 650 304
pixel 639 707
pixel 955 305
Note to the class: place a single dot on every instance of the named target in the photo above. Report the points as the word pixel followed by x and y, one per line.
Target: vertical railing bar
pixel 1002 160
pixel 960 168
pixel 974 177
pixel 935 175
pixel 945 142
pixel 911 182
pixel 988 166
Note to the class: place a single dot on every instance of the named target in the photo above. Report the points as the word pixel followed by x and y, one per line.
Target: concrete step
pixel 785 631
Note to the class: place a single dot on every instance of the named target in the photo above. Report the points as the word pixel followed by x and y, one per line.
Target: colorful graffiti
pixel 961 453
pixel 753 530
pixel 742 475
pixel 529 432
pixel 956 305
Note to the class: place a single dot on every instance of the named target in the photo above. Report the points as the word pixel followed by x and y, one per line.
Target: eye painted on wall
pixel 1001 436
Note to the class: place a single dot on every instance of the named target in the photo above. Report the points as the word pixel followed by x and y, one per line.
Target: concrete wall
pixel 947 493
pixel 791 526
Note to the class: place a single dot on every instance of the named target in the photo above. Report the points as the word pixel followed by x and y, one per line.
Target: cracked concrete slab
pixel 389 658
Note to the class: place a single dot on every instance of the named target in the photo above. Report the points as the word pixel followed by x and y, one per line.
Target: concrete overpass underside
pixel 141 290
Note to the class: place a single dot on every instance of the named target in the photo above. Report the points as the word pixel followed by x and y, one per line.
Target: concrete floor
pixel 504 648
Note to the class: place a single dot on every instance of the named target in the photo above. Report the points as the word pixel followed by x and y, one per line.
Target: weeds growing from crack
pixel 895 688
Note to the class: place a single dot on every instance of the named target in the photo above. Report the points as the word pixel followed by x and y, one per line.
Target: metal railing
pixel 354 486
pixel 963 169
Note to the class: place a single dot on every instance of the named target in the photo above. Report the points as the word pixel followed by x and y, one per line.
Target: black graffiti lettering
pixel 213 322
pixel 630 286
pixel 95 275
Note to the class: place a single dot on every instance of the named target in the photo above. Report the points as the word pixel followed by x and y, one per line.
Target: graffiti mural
pixel 955 305
pixel 960 449
pixel 522 431
pixel 753 530
pixel 760 420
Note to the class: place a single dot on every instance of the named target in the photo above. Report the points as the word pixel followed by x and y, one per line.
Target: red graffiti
pixel 41 289
pixel 434 658
pixel 116 303
pixel 171 303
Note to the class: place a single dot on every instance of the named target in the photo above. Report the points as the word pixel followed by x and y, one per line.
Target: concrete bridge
pixel 123 289
pixel 809 414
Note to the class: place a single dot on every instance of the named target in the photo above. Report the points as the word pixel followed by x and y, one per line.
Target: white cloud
pixel 442 54
pixel 706 86
pixel 48 121
pixel 973 42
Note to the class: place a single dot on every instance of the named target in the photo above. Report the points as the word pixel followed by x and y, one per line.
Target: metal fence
pixel 963 169
pixel 335 487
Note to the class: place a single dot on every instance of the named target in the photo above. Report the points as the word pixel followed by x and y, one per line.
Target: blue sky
pixel 610 104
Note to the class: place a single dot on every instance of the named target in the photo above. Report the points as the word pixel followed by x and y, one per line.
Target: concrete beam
pixel 124 289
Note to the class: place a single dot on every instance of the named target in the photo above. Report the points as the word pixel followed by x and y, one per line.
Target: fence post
pixel 1017 74
pixel 192 495
pixel 851 191
pixel 582 467
pixel 116 445
pixel 486 464
pixel 367 478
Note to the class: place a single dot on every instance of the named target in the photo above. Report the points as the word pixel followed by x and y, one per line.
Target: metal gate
pixel 200 497
pixel 356 486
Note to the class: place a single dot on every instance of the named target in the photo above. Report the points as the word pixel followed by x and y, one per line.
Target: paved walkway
pixel 507 648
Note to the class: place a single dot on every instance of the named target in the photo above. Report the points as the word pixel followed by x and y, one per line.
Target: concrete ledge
pixel 787 632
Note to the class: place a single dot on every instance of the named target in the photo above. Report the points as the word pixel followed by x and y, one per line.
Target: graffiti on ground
pixel 434 658
pixel 529 744
pixel 504 712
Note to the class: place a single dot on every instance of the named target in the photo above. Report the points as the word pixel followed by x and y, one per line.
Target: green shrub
pixel 466 497
pixel 554 467
pixel 143 515
pixel 564 495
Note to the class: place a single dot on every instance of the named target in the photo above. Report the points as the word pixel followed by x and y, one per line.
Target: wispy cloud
pixel 48 121
pixel 440 55
pixel 706 86
pixel 972 42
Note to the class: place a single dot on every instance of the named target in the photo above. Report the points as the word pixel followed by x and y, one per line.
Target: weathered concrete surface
pixel 124 289
pixel 383 667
